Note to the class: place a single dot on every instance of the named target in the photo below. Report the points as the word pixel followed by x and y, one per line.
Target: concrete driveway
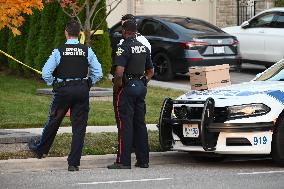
pixel 181 82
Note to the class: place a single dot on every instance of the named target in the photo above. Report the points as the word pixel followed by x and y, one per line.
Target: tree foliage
pixel 4 36
pixel 91 9
pixel 61 21
pixel 16 47
pixel 44 30
pixel 31 50
pixel 101 43
pixel 11 13
pixel 46 34
pixel 279 3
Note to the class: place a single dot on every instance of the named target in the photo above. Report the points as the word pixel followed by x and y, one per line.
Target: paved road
pixel 181 82
pixel 175 170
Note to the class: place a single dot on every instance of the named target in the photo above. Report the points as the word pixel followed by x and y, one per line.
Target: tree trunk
pixel 88 37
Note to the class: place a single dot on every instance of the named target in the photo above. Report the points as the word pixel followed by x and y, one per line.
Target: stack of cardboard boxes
pixel 207 77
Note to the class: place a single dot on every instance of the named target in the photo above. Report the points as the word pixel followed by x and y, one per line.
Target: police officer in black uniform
pixel 132 69
pixel 67 70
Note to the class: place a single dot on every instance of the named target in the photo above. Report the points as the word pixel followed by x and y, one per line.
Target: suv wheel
pixel 163 67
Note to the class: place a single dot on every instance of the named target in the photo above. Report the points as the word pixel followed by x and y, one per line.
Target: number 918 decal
pixel 260 140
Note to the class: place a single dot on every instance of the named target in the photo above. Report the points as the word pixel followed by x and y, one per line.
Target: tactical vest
pixel 137 60
pixel 73 62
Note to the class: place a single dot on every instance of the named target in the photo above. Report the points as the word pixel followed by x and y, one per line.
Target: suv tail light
pixel 235 42
pixel 193 44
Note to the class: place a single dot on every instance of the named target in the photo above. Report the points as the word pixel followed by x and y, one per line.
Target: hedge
pixel 279 3
pixel 42 32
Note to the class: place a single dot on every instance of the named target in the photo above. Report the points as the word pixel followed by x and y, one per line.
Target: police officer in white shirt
pixel 139 37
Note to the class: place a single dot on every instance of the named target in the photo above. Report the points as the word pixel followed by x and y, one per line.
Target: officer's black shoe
pixel 73 168
pixel 33 149
pixel 141 165
pixel 118 166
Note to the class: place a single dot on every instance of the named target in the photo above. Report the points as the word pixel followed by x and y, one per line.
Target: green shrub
pixel 279 3
pixel 61 21
pixel 16 46
pixel 101 43
pixel 31 50
pixel 4 35
pixel 46 34
pixel 43 31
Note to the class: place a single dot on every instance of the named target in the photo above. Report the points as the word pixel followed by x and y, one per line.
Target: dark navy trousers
pixel 130 113
pixel 75 97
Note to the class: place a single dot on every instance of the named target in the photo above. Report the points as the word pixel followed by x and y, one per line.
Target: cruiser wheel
pixel 277 150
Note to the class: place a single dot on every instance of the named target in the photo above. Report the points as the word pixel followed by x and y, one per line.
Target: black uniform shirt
pixel 135 53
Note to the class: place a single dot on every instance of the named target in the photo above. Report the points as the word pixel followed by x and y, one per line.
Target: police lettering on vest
pixel 138 49
pixel 74 52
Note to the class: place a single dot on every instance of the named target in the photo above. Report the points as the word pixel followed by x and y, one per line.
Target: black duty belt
pixel 134 76
pixel 70 83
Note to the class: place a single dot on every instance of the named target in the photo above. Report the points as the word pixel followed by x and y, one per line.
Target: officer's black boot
pixel 118 166
pixel 141 165
pixel 73 168
pixel 33 148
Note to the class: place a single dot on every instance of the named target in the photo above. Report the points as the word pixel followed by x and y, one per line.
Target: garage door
pixel 203 9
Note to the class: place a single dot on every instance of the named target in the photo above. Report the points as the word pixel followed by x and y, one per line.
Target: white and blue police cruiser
pixel 246 118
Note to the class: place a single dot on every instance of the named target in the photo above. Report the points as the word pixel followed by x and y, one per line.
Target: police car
pixel 246 118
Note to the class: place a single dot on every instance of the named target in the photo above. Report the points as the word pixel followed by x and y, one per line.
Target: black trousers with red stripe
pixel 130 111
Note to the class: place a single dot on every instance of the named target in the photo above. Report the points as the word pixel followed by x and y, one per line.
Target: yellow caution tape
pixel 83 36
pixel 82 41
pixel 39 72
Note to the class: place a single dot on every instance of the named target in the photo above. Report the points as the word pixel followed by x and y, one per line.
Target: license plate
pixel 218 50
pixel 190 130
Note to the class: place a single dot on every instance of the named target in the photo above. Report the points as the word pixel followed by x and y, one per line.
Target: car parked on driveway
pixel 246 118
pixel 181 42
pixel 262 37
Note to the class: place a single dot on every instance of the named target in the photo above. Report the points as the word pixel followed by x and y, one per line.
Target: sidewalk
pixel 13 140
pixel 90 129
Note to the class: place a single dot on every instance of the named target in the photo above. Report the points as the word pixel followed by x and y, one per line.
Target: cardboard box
pixel 207 77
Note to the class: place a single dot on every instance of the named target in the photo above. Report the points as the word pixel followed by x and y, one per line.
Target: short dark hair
pixel 128 17
pixel 130 26
pixel 73 28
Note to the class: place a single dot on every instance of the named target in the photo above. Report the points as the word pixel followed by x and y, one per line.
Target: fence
pixel 245 10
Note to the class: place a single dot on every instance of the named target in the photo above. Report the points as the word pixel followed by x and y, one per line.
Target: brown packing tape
pixel 200 83
pixel 210 86
pixel 208 68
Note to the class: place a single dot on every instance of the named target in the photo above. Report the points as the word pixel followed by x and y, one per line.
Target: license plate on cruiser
pixel 190 130
pixel 218 50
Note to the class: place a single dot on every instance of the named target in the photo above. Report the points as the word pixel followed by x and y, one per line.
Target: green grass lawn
pixel 95 144
pixel 20 107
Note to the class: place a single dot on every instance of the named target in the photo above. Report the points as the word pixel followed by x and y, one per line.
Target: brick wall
pixel 226 11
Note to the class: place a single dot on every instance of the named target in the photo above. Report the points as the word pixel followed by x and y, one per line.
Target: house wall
pixel 120 10
pixel 226 11
pixel 203 9
pixel 219 12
